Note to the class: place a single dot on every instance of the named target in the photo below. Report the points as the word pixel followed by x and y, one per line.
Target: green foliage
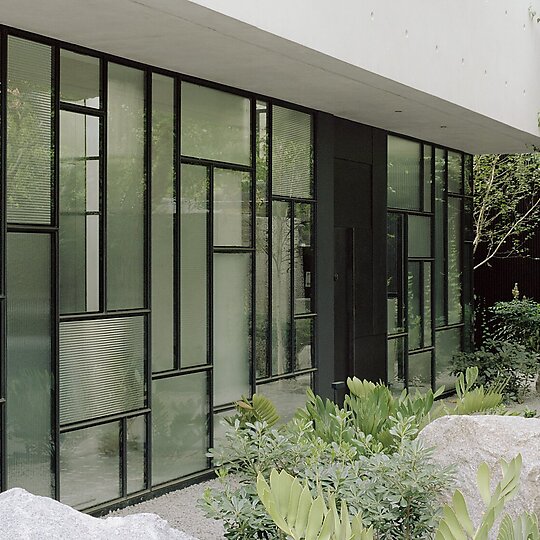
pixel 257 409
pixel 456 523
pixel 301 517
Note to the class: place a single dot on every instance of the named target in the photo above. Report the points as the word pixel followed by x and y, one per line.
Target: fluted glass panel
pixel 428 178
pixel 455 174
pixel 79 79
pixel 404 188
pixel 136 451
pixel 414 311
pixel 440 255
pixel 419 233
pixel 455 271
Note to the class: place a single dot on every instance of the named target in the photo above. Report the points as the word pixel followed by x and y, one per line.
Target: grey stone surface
pixel 24 516
pixel 467 441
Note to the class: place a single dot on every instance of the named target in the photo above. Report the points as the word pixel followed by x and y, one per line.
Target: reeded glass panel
pixel 114 348
pixel 468 174
pixel 468 223
pixel 232 208
pixel 281 288
pixel 468 298
pixel 125 188
pixel 447 344
pixel 193 265
pixel 163 207
pixel 404 189
pixel 232 326
pixel 420 371
pixel 394 279
pixel 215 124
pixel 79 79
pixel 419 235
pixel 90 465
pixel 179 425
pixel 303 259
pixel 292 153
pixel 79 213
pixel 29 136
pixel 455 311
pixel 136 450
pixel 440 218
pixel 427 305
pixel 303 337
pixel 288 395
pixel 428 178
pixel 455 178
pixel 261 241
pixel 415 306
pixel 29 444
pixel 396 363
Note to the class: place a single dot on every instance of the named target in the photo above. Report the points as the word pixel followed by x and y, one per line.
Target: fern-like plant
pixel 257 409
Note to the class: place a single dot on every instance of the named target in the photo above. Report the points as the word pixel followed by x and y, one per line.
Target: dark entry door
pixel 343 308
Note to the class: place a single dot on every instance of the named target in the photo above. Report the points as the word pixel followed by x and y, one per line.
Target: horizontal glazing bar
pixel 103 420
pixel 180 372
pixel 107 315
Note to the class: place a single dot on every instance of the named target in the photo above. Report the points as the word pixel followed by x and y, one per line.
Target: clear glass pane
pixel 79 225
pixel 193 265
pixel 455 311
pixel 447 344
pixel 303 259
pixel 304 329
pixel 455 178
pixel 440 218
pixel 468 222
pixel 135 452
pixel 90 465
pixel 215 125
pixel 468 297
pixel 419 235
pixel 163 207
pixel 404 188
pixel 415 306
pixel 179 426
pixel 292 153
pixel 232 208
pixel 394 280
pixel 29 444
pixel 420 371
pixel 428 178
pixel 281 288
pixel 29 135
pixel 468 174
pixel 427 305
pixel 125 188
pixel 232 326
pixel 396 363
pixel 79 79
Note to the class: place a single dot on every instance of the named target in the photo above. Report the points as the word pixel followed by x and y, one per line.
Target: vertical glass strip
pixel 404 182
pixel 396 363
pixel 415 306
pixel 303 258
pixel 428 178
pixel 455 273
pixel 428 339
pixel 440 218
pixel 163 208
pixel 136 452
pixel 455 176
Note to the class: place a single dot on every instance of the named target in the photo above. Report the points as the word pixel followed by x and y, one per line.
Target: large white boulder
pixel 24 516
pixel 467 441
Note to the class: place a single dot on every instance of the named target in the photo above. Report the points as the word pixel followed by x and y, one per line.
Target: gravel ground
pixel 180 509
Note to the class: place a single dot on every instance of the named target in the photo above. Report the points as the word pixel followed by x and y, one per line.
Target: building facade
pixel 172 242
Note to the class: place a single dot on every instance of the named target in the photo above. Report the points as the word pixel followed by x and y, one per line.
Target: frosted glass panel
pixel 193 265
pixel 163 215
pixel 447 344
pixel 428 178
pixel 396 363
pixel 288 395
pixel 79 79
pixel 427 305
pixel 439 281
pixel 232 332
pixel 136 450
pixel 455 178
pixel 232 208
pixel 415 306
pixel 179 426
pixel 90 465
pixel 29 444
pixel 304 343
pixel 420 371
pixel 215 124
pixel 394 268
pixel 419 236
pixel 29 138
pixel 125 188
pixel 455 309
pixel 404 188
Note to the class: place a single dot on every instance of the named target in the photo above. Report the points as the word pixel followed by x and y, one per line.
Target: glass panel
pixel 440 218
pixel 415 306
pixel 404 188
pixel 468 297
pixel 447 344
pixel 29 136
pixel 428 178
pixel 292 153
pixel 79 79
pixel 79 203
pixel 90 465
pixel 232 208
pixel 394 278
pixel 163 206
pixel 288 395
pixel 221 427
pixel 115 384
pixel 455 179
pixel 420 371
pixel 419 235
pixel 468 173
pixel 136 450
pixel 281 288
pixel 468 224
pixel 232 326
pixel 215 124
pixel 261 242
pixel 427 305
pixel 193 265
pixel 179 424
pixel 303 259
pixel 29 444
pixel 396 363
pixel 125 188
pixel 455 311
pixel 304 329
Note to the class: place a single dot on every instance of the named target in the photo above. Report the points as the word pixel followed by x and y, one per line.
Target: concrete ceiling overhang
pixel 187 38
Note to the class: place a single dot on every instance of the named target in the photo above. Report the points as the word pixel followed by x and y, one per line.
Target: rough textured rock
pixel 467 441
pixel 24 516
